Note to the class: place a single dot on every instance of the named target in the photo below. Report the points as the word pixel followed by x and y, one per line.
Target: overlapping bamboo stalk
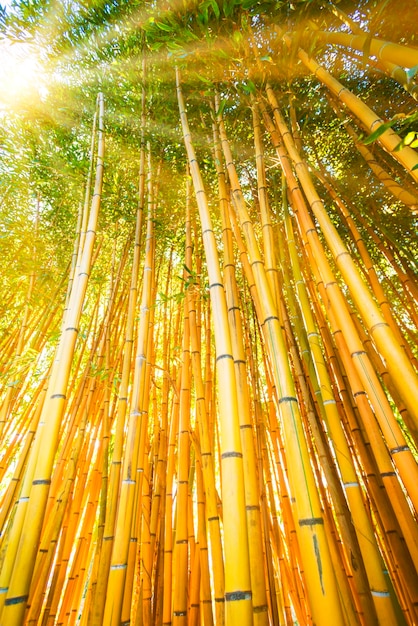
pixel 392 69
pixel 370 120
pixel 237 570
pixel 225 455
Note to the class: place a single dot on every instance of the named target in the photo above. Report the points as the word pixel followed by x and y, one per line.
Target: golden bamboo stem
pixel 133 460
pixel 405 56
pixel 250 469
pixel 378 328
pixel 389 139
pixel 321 583
pixel 238 604
pixel 48 429
pixel 391 185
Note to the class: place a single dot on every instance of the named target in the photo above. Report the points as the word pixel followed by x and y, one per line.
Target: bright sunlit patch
pixel 21 74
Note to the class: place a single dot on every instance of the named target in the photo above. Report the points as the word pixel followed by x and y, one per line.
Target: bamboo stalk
pixel 252 500
pixel 238 605
pixel 389 139
pixel 181 548
pixel 207 467
pixel 395 188
pixel 377 326
pixel 392 69
pixel 46 441
pixel 352 487
pixel 377 445
pixel 405 56
pixel 319 572
pixel 133 459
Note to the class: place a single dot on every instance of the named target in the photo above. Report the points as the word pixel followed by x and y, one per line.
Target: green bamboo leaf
pixel 221 108
pixel 366 48
pixel 215 8
pixel 228 7
pixel 378 132
pixel 409 138
pixel 202 17
pixel 249 87
pixel 411 72
pixel 406 141
pixel 237 37
pixel 164 27
pixel 203 79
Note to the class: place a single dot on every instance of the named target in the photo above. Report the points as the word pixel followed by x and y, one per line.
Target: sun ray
pixel 22 75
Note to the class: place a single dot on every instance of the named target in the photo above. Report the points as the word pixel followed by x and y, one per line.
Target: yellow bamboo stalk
pixel 82 220
pixel 396 555
pixel 278 595
pixel 155 517
pixel 207 465
pixel 205 591
pixel 319 572
pixel 135 440
pixel 140 558
pixel 194 588
pixel 238 594
pixel 351 485
pixel 405 56
pixel 9 499
pixel 406 278
pixel 298 601
pixel 102 509
pixel 386 469
pixel 107 418
pixel 140 519
pixel 72 528
pixel 46 442
pixel 168 538
pixel 378 291
pixel 12 387
pixel 284 541
pixel 181 548
pixel 384 302
pixel 397 363
pixel 390 481
pixel 391 185
pixel 392 69
pixel 266 220
pixel 158 504
pixel 260 615
pixel 98 600
pixel 76 575
pixel 49 539
pixel 158 574
pixel 389 139
pixel 380 452
pixel 342 555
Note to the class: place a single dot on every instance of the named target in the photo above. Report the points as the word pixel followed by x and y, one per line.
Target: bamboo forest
pixel 209 312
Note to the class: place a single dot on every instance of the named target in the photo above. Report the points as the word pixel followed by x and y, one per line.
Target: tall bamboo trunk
pixel 24 541
pixel 238 595
pixel 321 583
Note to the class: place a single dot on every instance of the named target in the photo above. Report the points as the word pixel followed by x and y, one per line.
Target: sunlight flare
pixel 21 74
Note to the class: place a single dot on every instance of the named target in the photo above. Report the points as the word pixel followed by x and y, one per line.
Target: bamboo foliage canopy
pixel 209 313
